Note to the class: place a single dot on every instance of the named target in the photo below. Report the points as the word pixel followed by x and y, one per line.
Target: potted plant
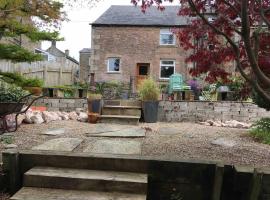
pixel 33 85
pixel 94 102
pixel 9 97
pixel 149 94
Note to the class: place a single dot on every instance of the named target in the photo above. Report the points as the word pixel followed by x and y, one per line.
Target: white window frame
pixel 169 65
pixel 166 32
pixel 108 65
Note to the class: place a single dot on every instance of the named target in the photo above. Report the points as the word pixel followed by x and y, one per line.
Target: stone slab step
pixel 120 119
pixel 80 179
pixel 121 110
pixel 29 193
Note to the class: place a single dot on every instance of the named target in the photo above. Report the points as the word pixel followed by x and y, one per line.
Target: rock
pixel 224 142
pixel 28 116
pixel 63 115
pixel 210 122
pixel 83 117
pixel 217 123
pixel 11 146
pixel 20 119
pixel 54 132
pixel 79 110
pixel 37 118
pixel 50 116
pixel 73 116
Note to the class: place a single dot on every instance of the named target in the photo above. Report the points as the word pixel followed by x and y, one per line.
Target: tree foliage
pixel 226 31
pixel 26 18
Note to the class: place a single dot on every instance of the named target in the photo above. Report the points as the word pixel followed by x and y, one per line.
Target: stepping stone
pixel 224 142
pixel 104 128
pixel 60 144
pixel 169 131
pixel 54 132
pixel 128 132
pixel 110 146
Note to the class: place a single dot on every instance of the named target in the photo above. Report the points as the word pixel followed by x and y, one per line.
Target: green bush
pixel 261 130
pixel 149 90
pixel 10 92
pixel 32 82
pixel 21 81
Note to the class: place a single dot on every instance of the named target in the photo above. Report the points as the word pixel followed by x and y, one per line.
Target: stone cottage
pixel 127 43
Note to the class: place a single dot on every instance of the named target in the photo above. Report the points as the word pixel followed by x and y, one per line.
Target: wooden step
pixel 122 110
pixel 79 179
pixel 122 102
pixel 29 193
pixel 120 119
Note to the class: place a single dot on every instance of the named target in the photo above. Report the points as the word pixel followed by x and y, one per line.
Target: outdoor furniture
pixel 9 112
pixel 175 83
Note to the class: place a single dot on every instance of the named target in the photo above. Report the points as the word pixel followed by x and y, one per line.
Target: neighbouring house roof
pixel 133 16
pixel 85 50
pixel 53 50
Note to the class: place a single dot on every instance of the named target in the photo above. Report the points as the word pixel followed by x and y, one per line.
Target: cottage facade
pixel 127 43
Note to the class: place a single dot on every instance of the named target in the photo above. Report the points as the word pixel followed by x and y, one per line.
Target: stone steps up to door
pixel 121 111
pixel 52 183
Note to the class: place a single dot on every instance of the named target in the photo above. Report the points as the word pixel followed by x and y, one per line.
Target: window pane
pixel 166 71
pixel 167 62
pixel 114 65
pixel 167 38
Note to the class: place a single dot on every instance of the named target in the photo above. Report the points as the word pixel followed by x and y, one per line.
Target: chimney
pixel 67 52
pixel 53 43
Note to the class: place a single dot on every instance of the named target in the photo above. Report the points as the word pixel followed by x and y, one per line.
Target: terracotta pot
pixel 93 118
pixel 34 90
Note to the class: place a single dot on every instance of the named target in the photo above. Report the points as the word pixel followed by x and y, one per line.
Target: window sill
pixel 113 72
pixel 164 79
pixel 168 45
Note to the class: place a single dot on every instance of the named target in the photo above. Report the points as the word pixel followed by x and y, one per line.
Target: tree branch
pixel 246 38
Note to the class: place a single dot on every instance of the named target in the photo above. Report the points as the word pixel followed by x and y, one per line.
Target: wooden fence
pixel 61 72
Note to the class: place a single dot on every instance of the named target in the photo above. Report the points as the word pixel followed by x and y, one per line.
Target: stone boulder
pixel 50 116
pixel 73 115
pixel 83 117
pixel 37 118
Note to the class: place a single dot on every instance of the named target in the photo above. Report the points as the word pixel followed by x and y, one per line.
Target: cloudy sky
pixel 77 32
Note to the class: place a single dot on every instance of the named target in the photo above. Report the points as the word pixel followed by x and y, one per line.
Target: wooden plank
pixel 255 186
pixel 218 182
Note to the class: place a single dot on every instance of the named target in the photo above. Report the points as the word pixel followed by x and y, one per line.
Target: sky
pixel 77 32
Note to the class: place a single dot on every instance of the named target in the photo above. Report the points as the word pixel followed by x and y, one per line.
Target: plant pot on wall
pixel 150 111
pixel 37 91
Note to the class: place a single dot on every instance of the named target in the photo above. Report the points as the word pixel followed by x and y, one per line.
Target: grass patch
pixel 261 130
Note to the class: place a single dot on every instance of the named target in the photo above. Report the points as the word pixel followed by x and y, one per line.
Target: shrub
pixel 10 92
pixel 149 90
pixel 261 102
pixel 261 130
pixel 32 82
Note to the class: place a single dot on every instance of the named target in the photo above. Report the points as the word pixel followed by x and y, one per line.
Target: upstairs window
pixel 113 65
pixel 167 68
pixel 166 37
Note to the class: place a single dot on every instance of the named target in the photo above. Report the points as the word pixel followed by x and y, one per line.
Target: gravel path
pixel 179 140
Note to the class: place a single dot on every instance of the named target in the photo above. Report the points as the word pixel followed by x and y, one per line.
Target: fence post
pixel 45 74
pixel 218 182
pixel 255 185
pixel 60 75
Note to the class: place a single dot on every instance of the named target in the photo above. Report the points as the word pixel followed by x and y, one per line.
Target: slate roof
pixel 85 50
pixel 133 16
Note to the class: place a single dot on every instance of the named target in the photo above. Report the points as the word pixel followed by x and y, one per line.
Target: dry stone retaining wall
pixel 174 111
pixel 59 104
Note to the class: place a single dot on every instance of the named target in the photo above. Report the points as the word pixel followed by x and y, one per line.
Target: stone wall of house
pixel 84 65
pixel 132 45
pixel 175 111
pixel 58 104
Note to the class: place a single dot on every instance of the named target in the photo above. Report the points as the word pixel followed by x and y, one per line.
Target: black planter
pixel 94 106
pixel 150 111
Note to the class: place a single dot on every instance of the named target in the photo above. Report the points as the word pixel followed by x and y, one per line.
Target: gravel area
pixel 179 140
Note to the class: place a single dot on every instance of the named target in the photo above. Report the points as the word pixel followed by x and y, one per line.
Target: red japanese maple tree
pixel 225 31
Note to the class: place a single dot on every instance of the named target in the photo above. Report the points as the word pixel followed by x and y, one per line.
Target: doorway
pixel 143 71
